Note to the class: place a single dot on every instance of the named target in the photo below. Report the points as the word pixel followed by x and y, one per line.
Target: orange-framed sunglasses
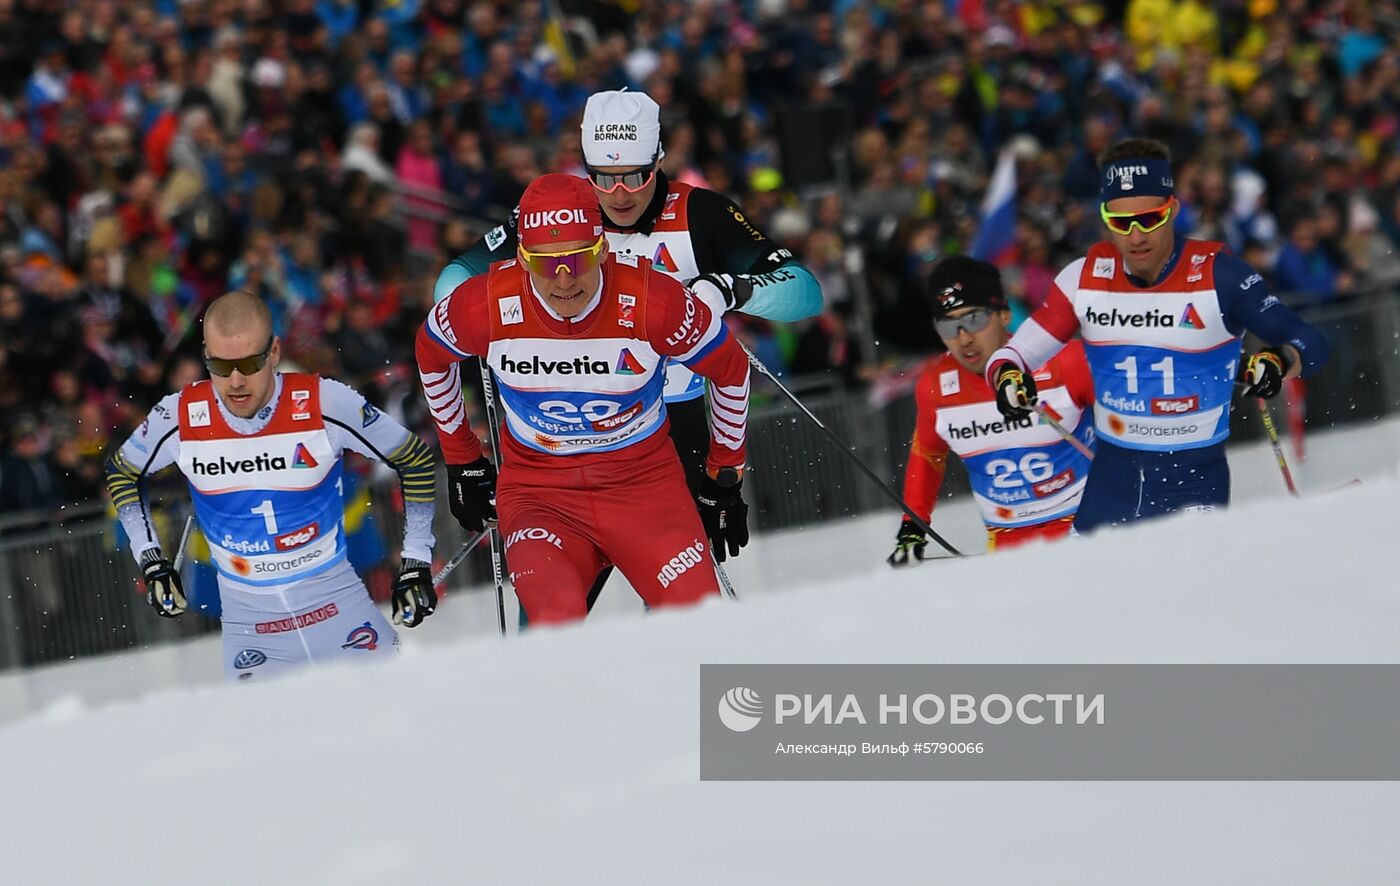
pixel 1147 220
pixel 577 261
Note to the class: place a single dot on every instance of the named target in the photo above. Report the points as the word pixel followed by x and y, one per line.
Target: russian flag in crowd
pixel 996 229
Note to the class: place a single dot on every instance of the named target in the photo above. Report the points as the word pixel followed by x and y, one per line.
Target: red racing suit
pixel 1025 478
pixel 588 473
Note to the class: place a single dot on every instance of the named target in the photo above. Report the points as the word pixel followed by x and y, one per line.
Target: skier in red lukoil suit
pixel 578 339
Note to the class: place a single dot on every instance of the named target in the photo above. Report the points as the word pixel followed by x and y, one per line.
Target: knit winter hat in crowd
pixel 558 208
pixel 959 282
pixel 621 129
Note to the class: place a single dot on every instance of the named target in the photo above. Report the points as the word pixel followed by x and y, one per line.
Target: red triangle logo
pixel 629 365
pixel 1189 317
pixel 302 458
pixel 663 259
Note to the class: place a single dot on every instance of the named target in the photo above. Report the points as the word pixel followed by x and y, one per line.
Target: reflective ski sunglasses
pixel 577 261
pixel 631 181
pixel 973 321
pixel 1147 220
pixel 245 365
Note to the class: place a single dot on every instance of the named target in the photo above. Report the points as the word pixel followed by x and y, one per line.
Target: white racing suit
pixel 268 496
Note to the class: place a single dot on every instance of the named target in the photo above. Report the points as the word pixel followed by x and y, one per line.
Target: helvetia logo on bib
pixel 302 458
pixel 740 709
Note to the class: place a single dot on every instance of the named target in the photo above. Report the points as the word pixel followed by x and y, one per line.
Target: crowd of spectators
pixel 333 154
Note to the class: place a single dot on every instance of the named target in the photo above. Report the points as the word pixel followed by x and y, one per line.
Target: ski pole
pixel 840 444
pixel 184 539
pixel 1049 418
pixel 724 581
pixel 1278 450
pixel 918 560
pixel 497 550
pixel 461 555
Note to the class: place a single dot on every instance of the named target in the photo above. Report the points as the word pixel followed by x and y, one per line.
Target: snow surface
pixel 570 756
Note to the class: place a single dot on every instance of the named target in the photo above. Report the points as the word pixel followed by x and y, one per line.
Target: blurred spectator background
pixel 332 155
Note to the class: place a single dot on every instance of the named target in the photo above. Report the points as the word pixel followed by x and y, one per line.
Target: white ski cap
pixel 621 129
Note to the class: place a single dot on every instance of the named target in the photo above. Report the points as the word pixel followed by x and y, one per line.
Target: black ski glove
pixel 734 289
pixel 723 512
pixel 1264 372
pixel 414 597
pixel 471 493
pixel 164 590
pixel 1016 395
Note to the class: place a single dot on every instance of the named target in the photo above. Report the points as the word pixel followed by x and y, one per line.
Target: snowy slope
pixel 570 756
